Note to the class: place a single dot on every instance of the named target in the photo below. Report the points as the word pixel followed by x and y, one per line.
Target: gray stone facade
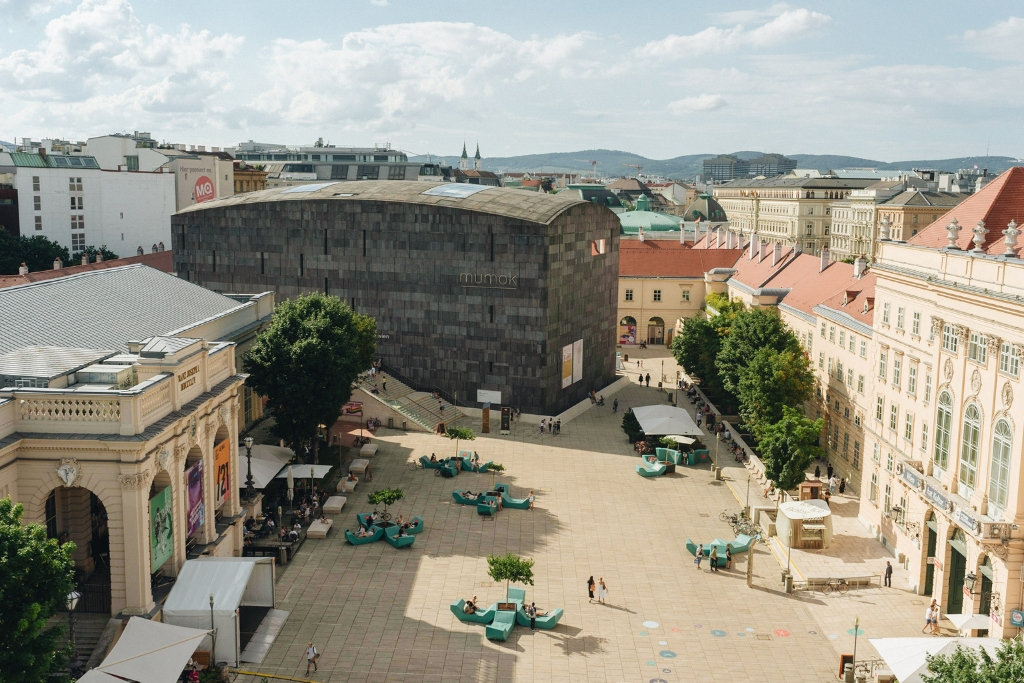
pixel 479 291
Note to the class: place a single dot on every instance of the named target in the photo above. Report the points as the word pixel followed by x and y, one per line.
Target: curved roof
pixel 632 221
pixel 705 208
pixel 538 207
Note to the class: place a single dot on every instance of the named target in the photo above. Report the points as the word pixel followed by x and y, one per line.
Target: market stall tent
pixel 149 651
pixel 267 461
pixel 661 420
pixel 232 582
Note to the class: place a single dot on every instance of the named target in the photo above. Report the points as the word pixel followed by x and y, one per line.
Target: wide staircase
pixel 419 407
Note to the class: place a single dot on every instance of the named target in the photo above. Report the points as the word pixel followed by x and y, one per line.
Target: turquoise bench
pixel 547 621
pixel 363 519
pixel 516 595
pixel 427 465
pixel 392 537
pixel 468 466
pixel 462 500
pixel 484 616
pixel 668 455
pixel 501 625
pixel 357 540
pixel 487 506
pixel 417 525
pixel 650 469
pixel 516 503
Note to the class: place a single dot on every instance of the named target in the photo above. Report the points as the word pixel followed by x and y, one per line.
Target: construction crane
pixel 593 166
pixel 638 168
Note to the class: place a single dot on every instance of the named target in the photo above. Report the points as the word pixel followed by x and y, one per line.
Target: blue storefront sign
pixel 965 520
pixel 936 495
pixel 912 477
pixel 1017 618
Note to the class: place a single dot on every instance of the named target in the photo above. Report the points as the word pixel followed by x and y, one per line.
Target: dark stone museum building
pixel 480 293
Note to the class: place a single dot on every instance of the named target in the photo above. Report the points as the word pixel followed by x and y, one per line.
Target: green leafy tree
pixel 696 347
pixel 36 575
pixel 788 446
pixel 458 434
pixel 93 252
pixel 385 497
pixel 37 252
pixel 750 332
pixel 510 568
pixel 966 665
pixel 772 379
pixel 306 361
pixel 720 305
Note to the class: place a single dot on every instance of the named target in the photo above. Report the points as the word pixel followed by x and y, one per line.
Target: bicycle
pixel 383 516
pixel 838 585
pixel 732 517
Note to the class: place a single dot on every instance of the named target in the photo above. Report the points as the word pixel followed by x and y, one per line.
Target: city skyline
pixel 869 80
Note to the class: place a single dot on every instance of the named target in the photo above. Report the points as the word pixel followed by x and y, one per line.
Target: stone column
pixel 135 518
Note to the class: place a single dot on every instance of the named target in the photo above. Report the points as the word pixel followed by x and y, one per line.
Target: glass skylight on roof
pixel 455 190
pixel 307 188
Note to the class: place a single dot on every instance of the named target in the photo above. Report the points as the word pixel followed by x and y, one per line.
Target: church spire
pixel 476 158
pixel 464 160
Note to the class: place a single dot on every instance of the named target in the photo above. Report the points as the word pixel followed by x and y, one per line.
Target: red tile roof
pixel 668 258
pixel 161 260
pixel 756 273
pixel 851 297
pixel 830 287
pixel 998 203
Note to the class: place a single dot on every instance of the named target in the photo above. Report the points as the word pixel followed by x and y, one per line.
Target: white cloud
pixel 779 30
pixel 1002 39
pixel 699 103
pixel 379 3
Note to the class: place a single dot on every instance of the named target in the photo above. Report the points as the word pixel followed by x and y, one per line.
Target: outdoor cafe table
pixel 359 466
pixel 369 450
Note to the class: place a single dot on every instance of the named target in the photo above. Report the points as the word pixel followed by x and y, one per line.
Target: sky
pixel 881 80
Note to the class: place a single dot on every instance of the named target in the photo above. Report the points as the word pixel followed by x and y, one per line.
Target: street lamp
pixel 213 633
pixel 71 603
pixel 250 487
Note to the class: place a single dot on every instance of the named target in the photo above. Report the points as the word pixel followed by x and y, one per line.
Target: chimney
pixel 85 258
pixel 752 252
pixel 57 263
pixel 776 254
pixel 99 257
pixel 640 232
pixel 22 269
pixel 824 259
pixel 859 264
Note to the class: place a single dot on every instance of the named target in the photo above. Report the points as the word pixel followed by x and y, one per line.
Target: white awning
pixel 905 657
pixel 151 651
pixel 661 419
pixel 267 461
pixel 970 622
pixel 97 676
pixel 302 471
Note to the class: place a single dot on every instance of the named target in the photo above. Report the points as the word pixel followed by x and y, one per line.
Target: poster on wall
pixel 222 460
pixel 196 508
pixel 627 334
pixel 161 530
pixel 566 365
pixel 352 408
pixel 577 361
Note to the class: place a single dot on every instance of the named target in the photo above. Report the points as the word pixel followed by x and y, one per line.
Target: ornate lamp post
pixel 213 632
pixel 71 603
pixel 250 487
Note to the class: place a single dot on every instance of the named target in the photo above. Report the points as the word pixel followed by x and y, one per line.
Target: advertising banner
pixel 222 463
pixel 193 180
pixel 577 361
pixel 627 334
pixel 196 508
pixel 161 529
pixel 566 365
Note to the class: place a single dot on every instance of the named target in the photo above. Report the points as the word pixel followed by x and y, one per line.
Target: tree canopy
pixel 772 379
pixel 696 347
pixel 457 434
pixel 967 665
pixel 750 332
pixel 510 568
pixel 36 575
pixel 385 497
pixel 37 252
pixel 306 362
pixel 788 446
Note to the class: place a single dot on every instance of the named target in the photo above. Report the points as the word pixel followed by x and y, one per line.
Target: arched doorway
pixel 986 586
pixel 78 515
pixel 627 330
pixel 932 541
pixel 193 502
pixel 956 571
pixel 655 331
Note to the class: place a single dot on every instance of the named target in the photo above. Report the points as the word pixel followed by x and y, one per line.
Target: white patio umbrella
pixel 905 657
pixel 291 484
pixel 970 622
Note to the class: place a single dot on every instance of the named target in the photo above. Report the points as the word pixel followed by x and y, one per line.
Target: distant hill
pixel 612 163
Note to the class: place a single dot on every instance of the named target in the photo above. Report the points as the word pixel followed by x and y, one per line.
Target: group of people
pixel 698 556
pixel 835 484
pixel 600 586
pixel 552 425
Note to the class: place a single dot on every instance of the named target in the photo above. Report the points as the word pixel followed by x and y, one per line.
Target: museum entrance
pixel 77 515
pixel 957 570
pixel 655 331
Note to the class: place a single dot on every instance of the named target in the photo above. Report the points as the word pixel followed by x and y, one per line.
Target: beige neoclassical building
pixel 943 483
pixel 119 421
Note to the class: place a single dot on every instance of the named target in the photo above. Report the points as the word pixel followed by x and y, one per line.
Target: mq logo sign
pixel 203 190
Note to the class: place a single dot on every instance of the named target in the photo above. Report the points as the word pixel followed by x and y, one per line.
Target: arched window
pixel 943 420
pixel 999 478
pixel 969 446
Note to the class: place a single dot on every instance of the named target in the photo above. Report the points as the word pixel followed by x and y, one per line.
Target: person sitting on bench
pixel 469 495
pixel 470 606
pixel 363 533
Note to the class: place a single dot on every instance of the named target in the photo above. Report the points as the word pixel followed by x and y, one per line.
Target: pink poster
pixel 196 509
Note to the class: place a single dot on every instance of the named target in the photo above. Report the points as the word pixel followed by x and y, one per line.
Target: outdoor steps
pixel 419 406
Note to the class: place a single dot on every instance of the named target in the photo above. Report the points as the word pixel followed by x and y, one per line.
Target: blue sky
pixel 882 80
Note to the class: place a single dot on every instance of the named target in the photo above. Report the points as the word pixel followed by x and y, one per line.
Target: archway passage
pixel 932 527
pixel 957 571
pixel 655 331
pixel 627 330
pixel 78 516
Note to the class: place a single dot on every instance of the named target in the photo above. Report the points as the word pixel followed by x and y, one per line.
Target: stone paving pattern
pixel 381 614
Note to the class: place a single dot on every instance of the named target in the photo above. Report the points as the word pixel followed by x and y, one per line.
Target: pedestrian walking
pixel 384 384
pixel 551 426
pixel 312 656
pixel 728 556
pixel 531 612
pixel 828 471
pixel 832 483
pixel 648 379
pixel 817 472
pixel 842 485
pixel 888 573
pixel 590 588
pixel 615 405
pixel 698 556
pixel 714 558
pixel 698 420
pixel 543 424
pixel 931 618
pixel 602 590
pixel 558 426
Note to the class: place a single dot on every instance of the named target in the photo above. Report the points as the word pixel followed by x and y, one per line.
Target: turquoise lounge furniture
pixel 502 625
pixel 487 506
pixel 650 469
pixel 516 595
pixel 392 537
pixel 363 518
pixel 484 616
pixel 546 621
pixel 462 500
pixel 517 503
pixel 427 465
pixel 417 525
pixel 668 455
pixel 468 466
pixel 357 540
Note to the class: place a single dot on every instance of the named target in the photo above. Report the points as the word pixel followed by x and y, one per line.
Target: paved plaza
pixel 381 614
